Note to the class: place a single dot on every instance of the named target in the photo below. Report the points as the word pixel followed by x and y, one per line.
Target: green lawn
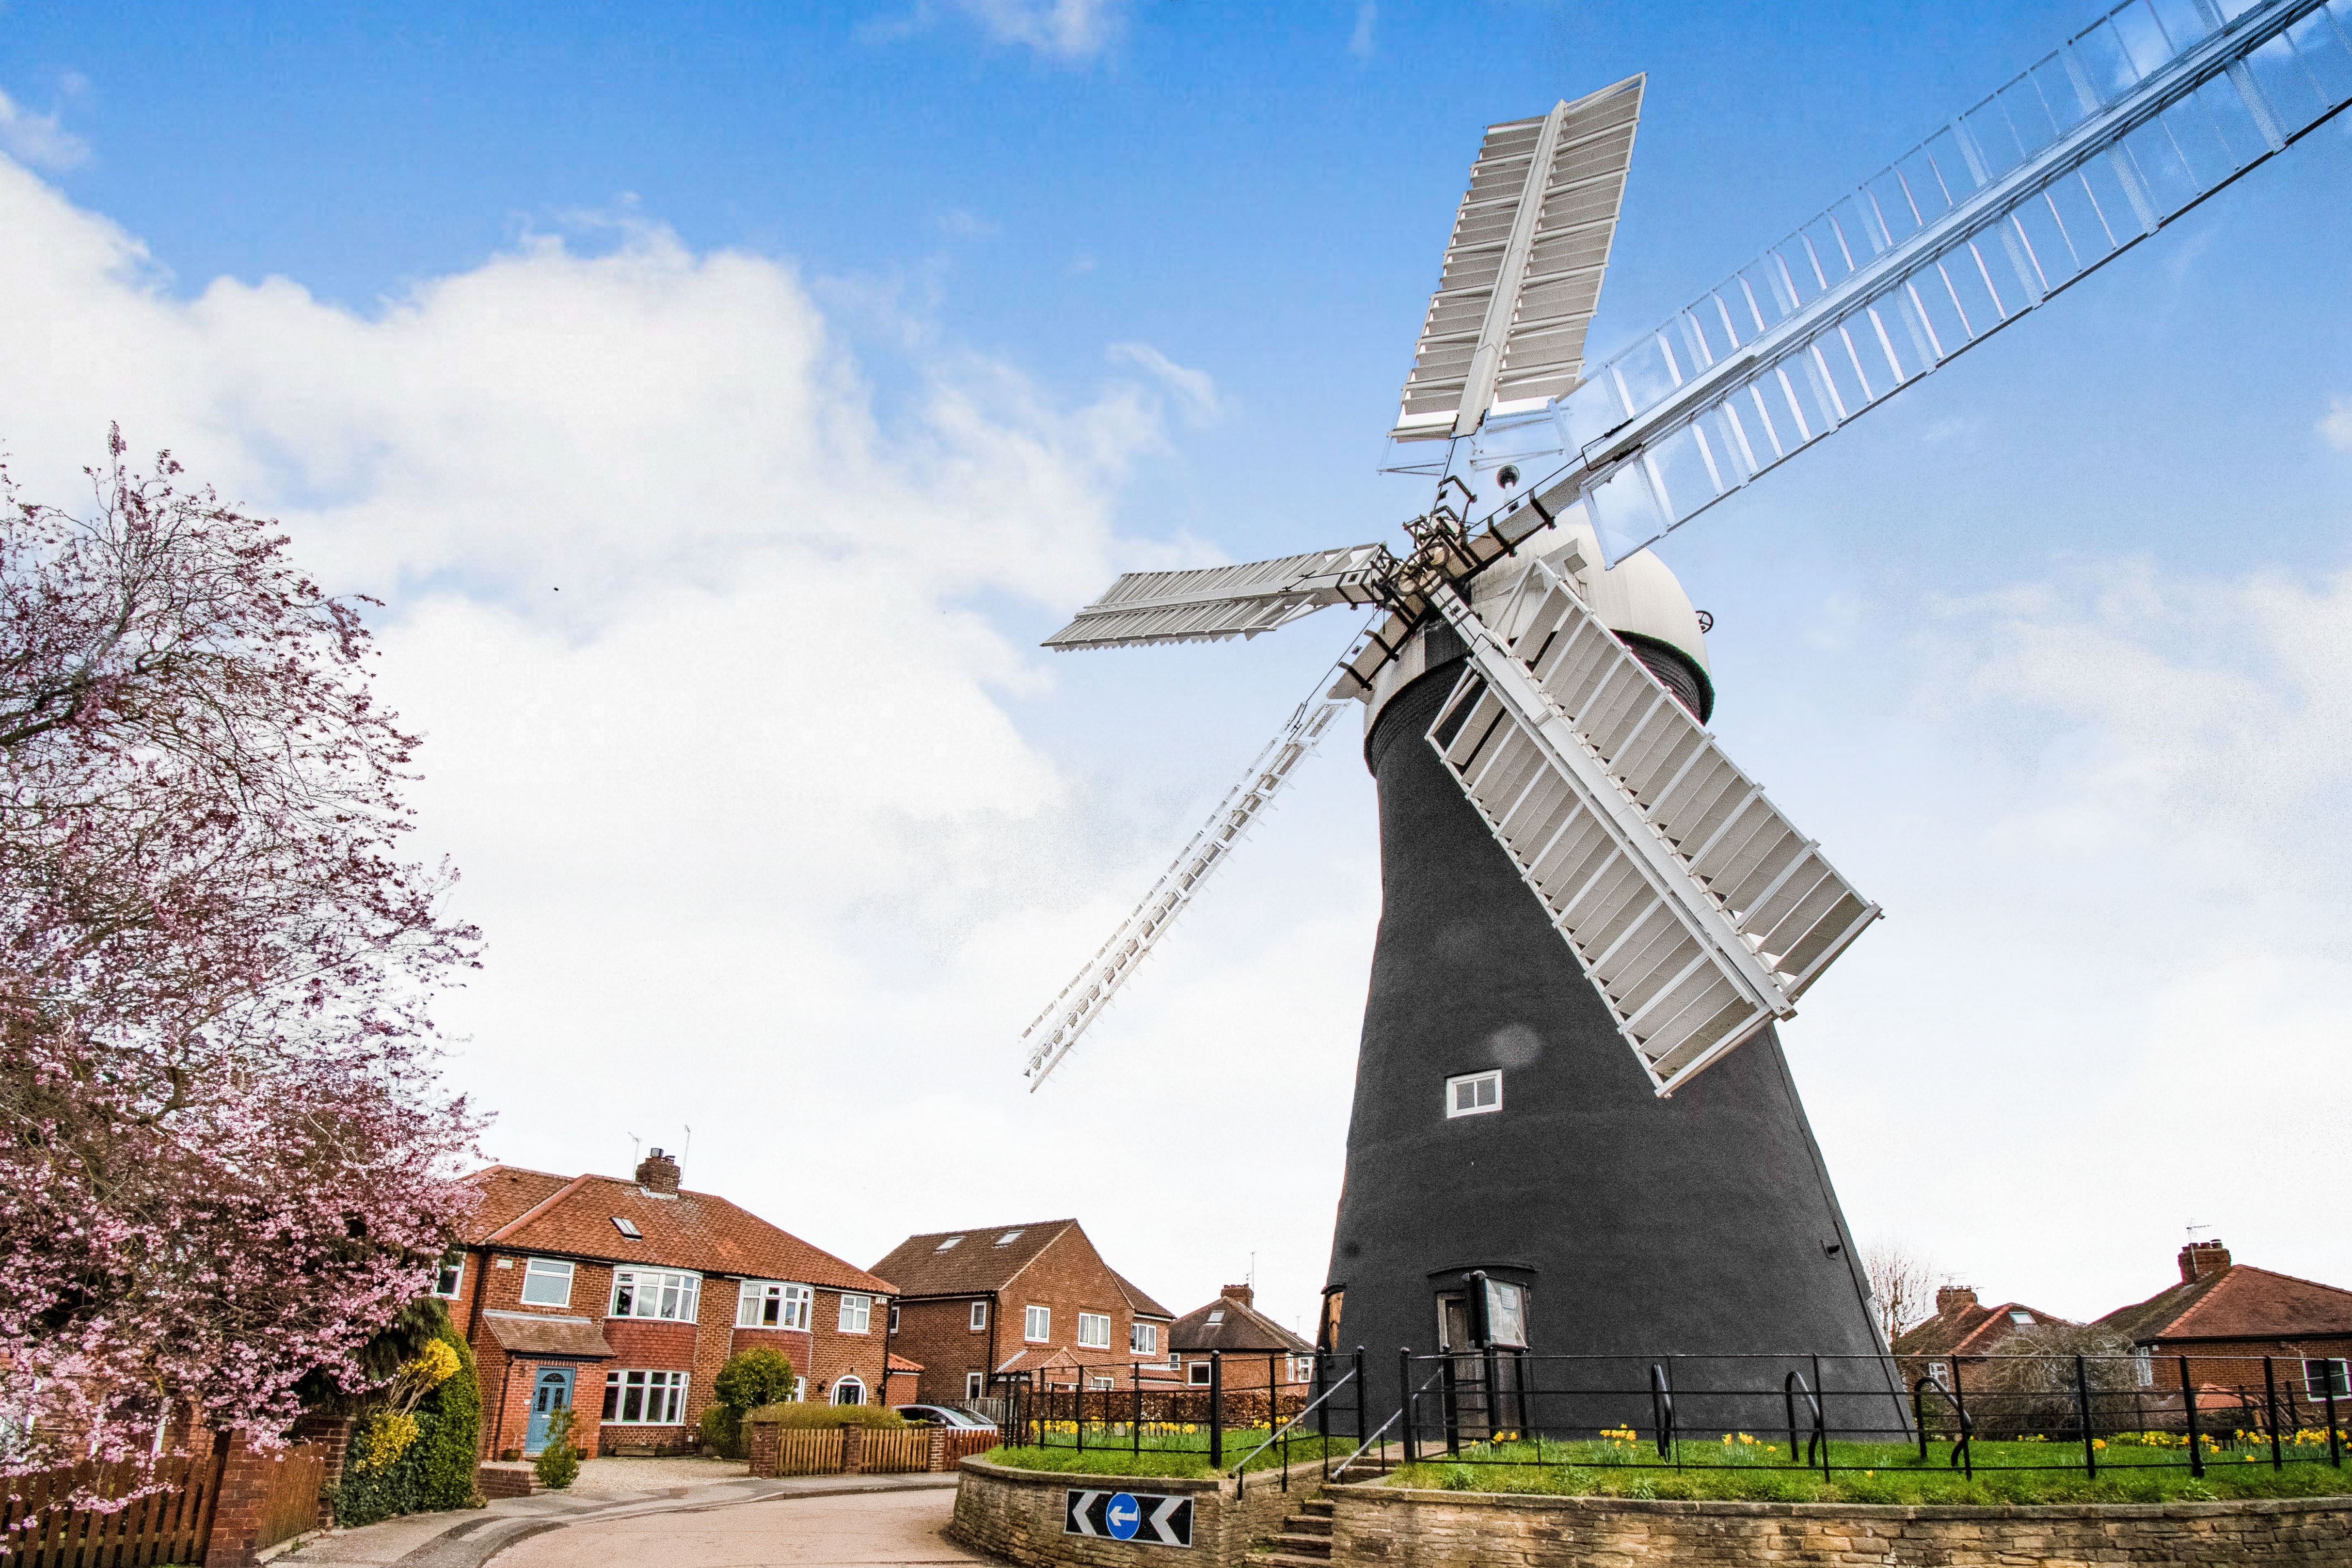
pixel 1165 1449
pixel 2129 1471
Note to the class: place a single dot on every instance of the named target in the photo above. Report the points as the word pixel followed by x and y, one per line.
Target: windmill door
pixel 552 1393
pixel 1465 1379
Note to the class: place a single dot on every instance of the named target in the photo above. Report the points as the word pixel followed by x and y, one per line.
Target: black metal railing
pixel 2089 1415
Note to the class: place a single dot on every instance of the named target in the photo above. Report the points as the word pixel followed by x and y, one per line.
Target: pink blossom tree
pixel 225 1157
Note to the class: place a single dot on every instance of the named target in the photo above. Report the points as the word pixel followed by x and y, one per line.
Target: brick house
pixel 1252 1344
pixel 1963 1327
pixel 620 1301
pixel 2227 1317
pixel 1035 1298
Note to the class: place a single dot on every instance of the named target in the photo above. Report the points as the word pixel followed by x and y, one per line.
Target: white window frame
pixel 1143 1339
pixel 1036 1325
pixel 1196 1375
pixel 449 1278
pixel 1094 1331
pixel 674 1294
pixel 894 1317
pixel 753 1298
pixel 800 1389
pixel 979 1316
pixel 1099 1383
pixel 856 1315
pixel 538 1268
pixel 849 1381
pixel 1301 1369
pixel 2144 1366
pixel 1473 1083
pixel 2312 1386
pixel 662 1397
pixel 974 1383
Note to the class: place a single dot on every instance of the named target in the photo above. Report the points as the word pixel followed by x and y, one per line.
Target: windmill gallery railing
pixel 2086 1414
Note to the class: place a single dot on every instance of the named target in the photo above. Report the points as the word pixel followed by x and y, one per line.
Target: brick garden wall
pixel 1393 1525
pixel 1018 1514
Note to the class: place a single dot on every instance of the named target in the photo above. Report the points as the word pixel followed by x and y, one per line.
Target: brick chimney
pixel 1241 1293
pixel 1952 1298
pixel 658 1173
pixel 2202 1260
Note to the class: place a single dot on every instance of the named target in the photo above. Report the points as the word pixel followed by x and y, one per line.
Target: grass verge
pixel 1880 1473
pixel 1173 1453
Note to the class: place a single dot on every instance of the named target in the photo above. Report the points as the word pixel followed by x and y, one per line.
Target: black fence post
pixel 1216 1410
pixel 1821 1415
pixel 1449 1389
pixel 1405 1400
pixel 1363 1394
pixel 1960 1409
pixel 2189 1409
pixel 1519 1392
pixel 1135 1431
pixel 2083 1413
pixel 2335 1441
pixel 2270 1411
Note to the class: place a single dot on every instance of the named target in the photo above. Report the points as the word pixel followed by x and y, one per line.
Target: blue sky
pixel 824 357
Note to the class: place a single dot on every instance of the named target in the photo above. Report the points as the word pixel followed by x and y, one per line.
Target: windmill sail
pixel 1213 603
pixel 1083 999
pixel 2155 108
pixel 1522 272
pixel 1698 912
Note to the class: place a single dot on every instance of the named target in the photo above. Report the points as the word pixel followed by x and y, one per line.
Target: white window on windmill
pixel 1473 1095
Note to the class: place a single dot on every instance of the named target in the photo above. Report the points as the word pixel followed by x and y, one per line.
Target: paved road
pixel 805 1521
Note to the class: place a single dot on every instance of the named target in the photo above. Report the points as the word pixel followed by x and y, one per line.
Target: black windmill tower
pixel 1570 864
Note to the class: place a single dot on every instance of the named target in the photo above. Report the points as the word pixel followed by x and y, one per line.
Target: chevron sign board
pixel 1154 1519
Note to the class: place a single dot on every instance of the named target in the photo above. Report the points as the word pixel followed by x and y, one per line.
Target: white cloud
pixel 1194 389
pixel 1359 41
pixel 969 225
pixel 2336 425
pixel 1070 31
pixel 38 139
pixel 726 678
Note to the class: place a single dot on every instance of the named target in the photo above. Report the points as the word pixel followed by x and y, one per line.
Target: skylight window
pixel 628 1228
pixel 1008 1236
pixel 2021 1316
pixel 1217 1317
pixel 947 1243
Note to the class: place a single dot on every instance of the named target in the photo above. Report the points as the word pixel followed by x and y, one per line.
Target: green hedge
pixel 819 1416
pixel 722 1429
pixel 436 1471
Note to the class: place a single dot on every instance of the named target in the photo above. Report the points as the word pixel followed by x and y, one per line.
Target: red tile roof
pixel 2241 1302
pixel 901 1364
pixel 1142 1306
pixel 1239 1327
pixel 980 1261
pixel 528 1334
pixel 1968 1329
pixel 532 1211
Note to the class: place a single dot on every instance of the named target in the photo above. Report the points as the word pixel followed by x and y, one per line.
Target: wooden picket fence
pixel 964 1441
pixel 297 1476
pixel 42 1529
pixel 884 1453
pixel 804 1452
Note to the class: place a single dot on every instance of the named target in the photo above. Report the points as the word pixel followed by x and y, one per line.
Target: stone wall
pixel 1017 1514
pixel 1379 1524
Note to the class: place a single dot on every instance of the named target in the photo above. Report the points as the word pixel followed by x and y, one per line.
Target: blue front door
pixel 553 1393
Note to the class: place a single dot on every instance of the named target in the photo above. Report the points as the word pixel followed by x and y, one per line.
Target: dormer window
pixel 1009 1236
pixel 947 1243
pixel 628 1228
